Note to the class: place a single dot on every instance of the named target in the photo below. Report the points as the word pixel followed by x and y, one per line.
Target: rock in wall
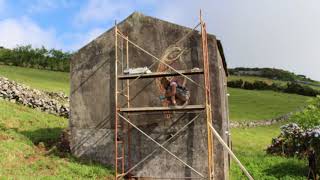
pixel 51 102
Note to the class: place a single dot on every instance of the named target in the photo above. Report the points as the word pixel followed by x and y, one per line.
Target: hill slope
pixel 38 79
pixel 248 105
pixel 26 138
pixel 244 104
pixel 272 73
pixel 270 81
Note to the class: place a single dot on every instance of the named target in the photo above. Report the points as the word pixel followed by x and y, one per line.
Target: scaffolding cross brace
pixel 119 127
pixel 125 91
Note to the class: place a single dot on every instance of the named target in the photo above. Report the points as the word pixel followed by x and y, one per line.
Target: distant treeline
pixel 290 87
pixel 40 58
pixel 271 73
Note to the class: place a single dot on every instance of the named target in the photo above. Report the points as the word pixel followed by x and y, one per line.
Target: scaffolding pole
pixel 129 109
pixel 161 146
pixel 119 143
pixel 207 96
pixel 128 105
pixel 116 99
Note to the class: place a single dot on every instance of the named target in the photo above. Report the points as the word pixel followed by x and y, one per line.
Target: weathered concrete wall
pixel 92 102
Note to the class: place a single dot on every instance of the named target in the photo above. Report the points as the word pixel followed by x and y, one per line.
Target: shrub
pixel 292 87
pixel 296 142
pixel 291 142
pixel 302 137
pixel 296 88
pixel 277 87
pixel 271 73
pixel 235 84
pixel 310 116
pixel 261 85
pixel 248 85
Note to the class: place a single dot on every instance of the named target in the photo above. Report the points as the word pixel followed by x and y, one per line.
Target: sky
pixel 266 33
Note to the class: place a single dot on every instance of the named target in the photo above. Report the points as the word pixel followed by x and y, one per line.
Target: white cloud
pixel 24 31
pixel 48 5
pixel 78 40
pixel 103 10
pixel 271 33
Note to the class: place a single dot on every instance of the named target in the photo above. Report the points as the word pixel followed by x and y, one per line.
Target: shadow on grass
pixel 55 143
pixel 48 136
pixel 289 168
pixel 52 142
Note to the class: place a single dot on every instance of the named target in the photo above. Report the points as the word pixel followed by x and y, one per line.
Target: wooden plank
pixel 161 108
pixel 161 74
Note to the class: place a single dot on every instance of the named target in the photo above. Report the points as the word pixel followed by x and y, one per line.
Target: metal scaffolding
pixel 120 171
pixel 121 119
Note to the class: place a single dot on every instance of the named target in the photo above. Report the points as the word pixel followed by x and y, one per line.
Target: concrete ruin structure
pixel 95 82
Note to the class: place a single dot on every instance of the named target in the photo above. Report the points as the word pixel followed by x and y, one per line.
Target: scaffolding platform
pixel 122 114
pixel 161 74
pixel 123 124
pixel 161 108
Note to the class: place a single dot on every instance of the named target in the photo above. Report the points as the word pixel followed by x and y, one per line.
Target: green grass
pixel 255 78
pixel 244 105
pixel 249 145
pixel 21 157
pixel 22 128
pixel 268 81
pixel 248 105
pixel 39 79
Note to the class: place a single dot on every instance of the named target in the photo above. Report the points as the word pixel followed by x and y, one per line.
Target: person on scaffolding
pixel 174 92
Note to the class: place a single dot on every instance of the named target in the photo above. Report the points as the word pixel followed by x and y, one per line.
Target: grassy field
pixel 39 79
pixel 269 81
pixel 255 78
pixel 26 135
pixel 59 81
pixel 250 144
pixel 244 105
pixel 248 105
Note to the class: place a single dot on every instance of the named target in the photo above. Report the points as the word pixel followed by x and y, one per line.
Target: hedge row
pixel 271 73
pixel 290 87
pixel 39 58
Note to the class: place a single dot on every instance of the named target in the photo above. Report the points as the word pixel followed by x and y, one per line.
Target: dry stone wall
pixel 255 123
pixel 50 102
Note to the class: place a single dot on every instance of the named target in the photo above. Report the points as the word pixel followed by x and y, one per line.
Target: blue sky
pixel 265 33
pixel 62 24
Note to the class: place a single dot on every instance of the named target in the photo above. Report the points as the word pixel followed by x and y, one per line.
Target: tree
pixel 40 58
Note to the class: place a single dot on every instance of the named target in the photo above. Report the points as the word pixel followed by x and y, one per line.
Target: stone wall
pixel 50 102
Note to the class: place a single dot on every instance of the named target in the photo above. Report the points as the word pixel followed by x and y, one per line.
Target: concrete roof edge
pixel 221 51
